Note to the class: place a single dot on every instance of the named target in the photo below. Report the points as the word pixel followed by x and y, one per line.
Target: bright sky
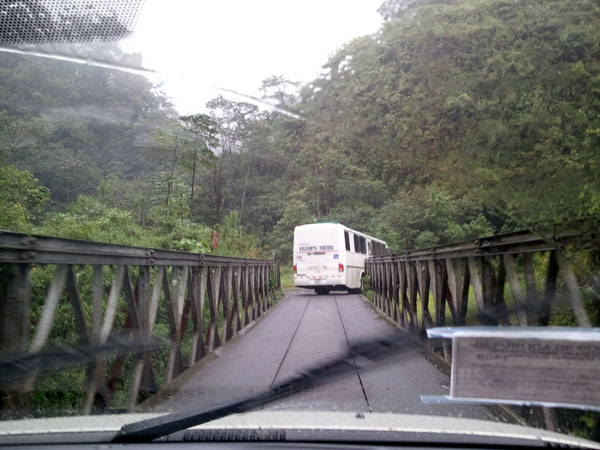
pixel 235 44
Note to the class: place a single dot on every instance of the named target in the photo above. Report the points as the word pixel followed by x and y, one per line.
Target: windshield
pixel 438 160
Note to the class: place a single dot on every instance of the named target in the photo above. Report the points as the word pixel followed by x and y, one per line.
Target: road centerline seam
pixel 288 347
pixel 353 358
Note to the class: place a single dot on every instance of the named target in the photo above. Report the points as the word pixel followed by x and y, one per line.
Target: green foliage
pixel 458 119
pixel 287 277
pixel 70 124
pixel 89 219
pixel 485 98
pixel 295 213
pixel 234 241
pixel 585 424
pixel 21 199
pixel 432 216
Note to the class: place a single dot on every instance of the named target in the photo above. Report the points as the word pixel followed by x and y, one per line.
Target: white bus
pixel 330 256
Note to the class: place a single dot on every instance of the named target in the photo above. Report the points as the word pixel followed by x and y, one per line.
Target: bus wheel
pixel 359 289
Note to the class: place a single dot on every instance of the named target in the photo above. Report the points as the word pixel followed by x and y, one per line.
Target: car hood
pixel 298 426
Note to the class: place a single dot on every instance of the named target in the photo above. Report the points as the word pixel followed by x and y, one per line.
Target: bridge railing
pixel 117 300
pixel 509 279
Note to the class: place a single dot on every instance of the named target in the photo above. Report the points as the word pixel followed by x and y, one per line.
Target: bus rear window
pixel 347 239
pixel 363 245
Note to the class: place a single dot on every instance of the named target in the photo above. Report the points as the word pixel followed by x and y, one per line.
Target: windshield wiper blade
pixel 62 357
pixel 374 351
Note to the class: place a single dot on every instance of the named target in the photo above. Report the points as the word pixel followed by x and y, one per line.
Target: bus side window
pixel 356 244
pixel 363 245
pixel 347 239
pixel 369 248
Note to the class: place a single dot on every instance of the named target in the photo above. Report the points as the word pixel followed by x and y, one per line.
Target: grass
pixel 287 277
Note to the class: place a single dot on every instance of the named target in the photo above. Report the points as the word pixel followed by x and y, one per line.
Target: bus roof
pixel 336 225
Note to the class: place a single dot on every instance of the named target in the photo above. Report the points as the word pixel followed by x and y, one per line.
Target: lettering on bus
pixel 314 248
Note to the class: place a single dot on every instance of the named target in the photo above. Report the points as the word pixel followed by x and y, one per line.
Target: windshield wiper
pixel 373 351
pixel 62 357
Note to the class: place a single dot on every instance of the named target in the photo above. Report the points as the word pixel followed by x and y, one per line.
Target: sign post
pixel 215 239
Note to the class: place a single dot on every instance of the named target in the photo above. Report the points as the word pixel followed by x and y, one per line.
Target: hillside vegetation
pixel 457 119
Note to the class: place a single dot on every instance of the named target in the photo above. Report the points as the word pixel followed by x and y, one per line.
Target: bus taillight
pixel 295 268
pixel 340 267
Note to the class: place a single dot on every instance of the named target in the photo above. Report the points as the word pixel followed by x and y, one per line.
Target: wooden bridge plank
pixel 515 287
pixel 227 281
pixel 132 305
pixel 532 297
pixel 499 302
pixel 453 270
pixel 142 302
pixel 214 281
pixel 111 304
pixel 44 325
pixel 488 283
pixel 170 368
pixel 235 309
pixel 411 273
pixel 94 376
pixel 403 297
pixel 244 296
pixel 573 291
pixel 476 282
pixel 549 290
pixel 193 282
pixel 423 280
pixel 15 308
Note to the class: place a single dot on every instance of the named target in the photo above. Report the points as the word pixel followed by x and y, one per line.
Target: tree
pixel 199 140
pixel 70 125
pixel 21 199
pixel 432 216
pixel 295 213
pixel 487 97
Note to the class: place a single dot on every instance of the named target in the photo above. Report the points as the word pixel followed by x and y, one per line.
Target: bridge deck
pixel 301 331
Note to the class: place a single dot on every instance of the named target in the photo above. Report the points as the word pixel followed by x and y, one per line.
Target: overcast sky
pixel 235 44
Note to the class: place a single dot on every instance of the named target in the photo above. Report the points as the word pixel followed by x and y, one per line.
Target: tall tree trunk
pixel 193 183
pixel 244 194
pixel 317 185
pixel 170 183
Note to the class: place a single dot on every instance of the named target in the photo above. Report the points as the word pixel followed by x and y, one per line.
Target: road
pixel 303 330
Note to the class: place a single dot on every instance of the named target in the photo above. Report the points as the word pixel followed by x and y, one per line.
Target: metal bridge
pixel 150 329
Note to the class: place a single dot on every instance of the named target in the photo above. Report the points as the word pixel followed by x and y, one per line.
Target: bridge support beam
pixel 136 318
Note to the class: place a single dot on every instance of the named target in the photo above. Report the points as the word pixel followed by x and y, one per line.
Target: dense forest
pixel 457 119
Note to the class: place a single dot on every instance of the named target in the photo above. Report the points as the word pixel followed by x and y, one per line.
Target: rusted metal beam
pixel 172 286
pixel 476 271
pixel 23 248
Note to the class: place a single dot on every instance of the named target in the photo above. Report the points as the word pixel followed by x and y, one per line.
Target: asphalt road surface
pixel 303 330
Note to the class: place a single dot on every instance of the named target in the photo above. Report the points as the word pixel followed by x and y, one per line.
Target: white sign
pixel 524 365
pixel 557 371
